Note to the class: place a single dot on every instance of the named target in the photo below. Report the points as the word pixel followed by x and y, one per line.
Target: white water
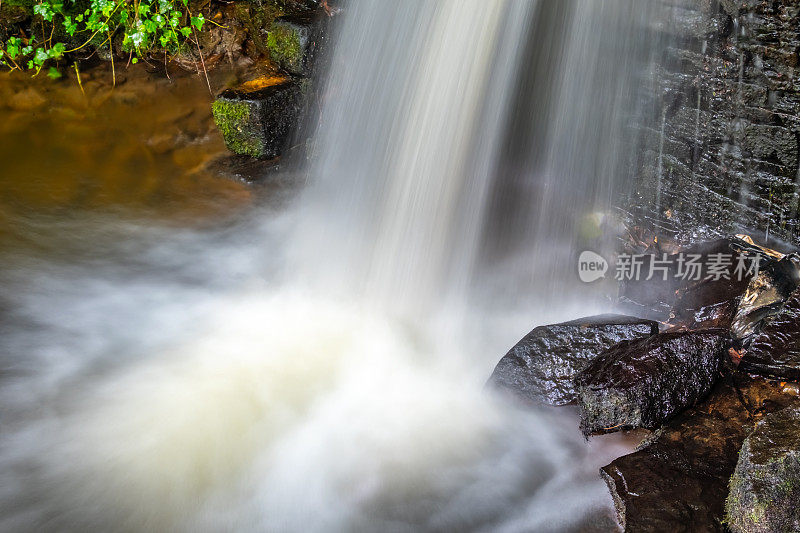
pixel 323 369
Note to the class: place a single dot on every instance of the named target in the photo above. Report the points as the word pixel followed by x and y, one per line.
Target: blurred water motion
pixel 319 368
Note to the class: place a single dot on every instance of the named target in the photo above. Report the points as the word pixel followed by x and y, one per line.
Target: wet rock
pixel 678 294
pixel 766 294
pixel 678 479
pixel 775 350
pixel 258 120
pixel 723 152
pixel 244 168
pixel 711 303
pixel 542 365
pixel 765 486
pixel 295 41
pixel 643 383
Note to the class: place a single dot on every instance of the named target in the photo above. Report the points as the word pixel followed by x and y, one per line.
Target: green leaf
pixel 45 11
pixel 198 21
pixel 12 47
pixel 53 73
pixel 40 57
pixel 135 60
pixel 56 51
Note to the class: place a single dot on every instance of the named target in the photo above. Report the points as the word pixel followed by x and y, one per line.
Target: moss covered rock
pixel 765 488
pixel 294 41
pixel 260 122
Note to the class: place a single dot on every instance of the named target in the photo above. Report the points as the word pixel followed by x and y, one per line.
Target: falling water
pixel 313 370
pixel 421 92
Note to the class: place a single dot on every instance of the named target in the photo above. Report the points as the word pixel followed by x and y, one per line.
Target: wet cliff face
pixel 721 153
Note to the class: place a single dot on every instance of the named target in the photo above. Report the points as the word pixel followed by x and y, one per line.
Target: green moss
pixel 14 11
pixel 233 121
pixel 256 17
pixel 283 44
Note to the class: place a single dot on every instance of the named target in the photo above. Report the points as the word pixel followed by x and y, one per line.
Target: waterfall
pixel 294 374
pixel 419 96
pixel 457 136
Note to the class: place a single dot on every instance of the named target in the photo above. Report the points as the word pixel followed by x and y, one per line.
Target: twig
pixel 202 61
pixel 113 70
pixel 78 75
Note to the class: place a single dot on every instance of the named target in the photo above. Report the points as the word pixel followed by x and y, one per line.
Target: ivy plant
pixel 61 27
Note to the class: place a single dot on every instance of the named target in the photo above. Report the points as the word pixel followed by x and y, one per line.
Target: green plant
pixel 60 27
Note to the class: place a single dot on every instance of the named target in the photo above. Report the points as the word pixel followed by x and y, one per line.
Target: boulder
pixel 765 487
pixel 708 303
pixel 766 293
pixel 680 298
pixel 295 41
pixel 775 350
pixel 643 383
pixel 677 480
pixel 541 366
pixel 258 119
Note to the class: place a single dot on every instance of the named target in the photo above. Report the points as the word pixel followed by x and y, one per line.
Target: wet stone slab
pixel 643 383
pixel 678 479
pixel 775 350
pixel 259 123
pixel 681 295
pixel 541 366
pixel 765 294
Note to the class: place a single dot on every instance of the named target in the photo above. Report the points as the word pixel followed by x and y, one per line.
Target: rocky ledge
pixel 260 117
pixel 765 487
pixel 713 387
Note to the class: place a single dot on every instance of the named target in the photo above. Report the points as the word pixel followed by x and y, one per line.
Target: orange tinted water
pixel 146 146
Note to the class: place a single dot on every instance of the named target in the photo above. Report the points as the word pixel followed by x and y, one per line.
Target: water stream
pixel 320 367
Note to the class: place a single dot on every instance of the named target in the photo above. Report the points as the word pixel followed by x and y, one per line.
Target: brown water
pixel 147 146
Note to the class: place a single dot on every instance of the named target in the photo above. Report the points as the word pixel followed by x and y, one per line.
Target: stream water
pixel 183 352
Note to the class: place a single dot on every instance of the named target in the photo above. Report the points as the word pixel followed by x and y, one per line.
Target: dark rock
pixel 260 122
pixel 766 294
pixel 678 479
pixel 775 350
pixel 721 151
pixel 765 487
pixel 245 168
pixel 681 298
pixel 542 365
pixel 643 383
pixel 711 303
pixel 650 298
pixel 295 41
